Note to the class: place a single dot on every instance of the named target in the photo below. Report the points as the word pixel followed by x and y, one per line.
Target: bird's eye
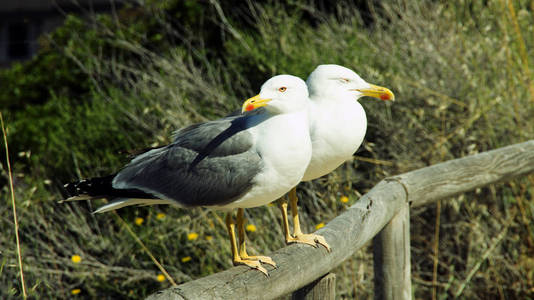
pixel 282 89
pixel 345 80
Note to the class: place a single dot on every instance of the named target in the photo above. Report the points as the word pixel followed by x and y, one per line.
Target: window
pixel 18 46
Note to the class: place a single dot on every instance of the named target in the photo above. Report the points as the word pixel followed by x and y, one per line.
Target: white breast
pixel 337 129
pixel 285 149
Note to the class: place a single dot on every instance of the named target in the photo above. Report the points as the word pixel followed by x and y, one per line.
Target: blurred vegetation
pixel 100 87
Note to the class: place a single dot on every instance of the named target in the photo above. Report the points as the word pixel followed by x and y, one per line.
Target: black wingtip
pixel 70 189
pixel 89 187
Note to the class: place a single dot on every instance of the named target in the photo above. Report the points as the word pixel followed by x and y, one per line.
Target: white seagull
pixel 337 128
pixel 234 162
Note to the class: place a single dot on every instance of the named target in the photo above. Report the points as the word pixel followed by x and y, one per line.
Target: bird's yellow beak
pixel 379 92
pixel 254 103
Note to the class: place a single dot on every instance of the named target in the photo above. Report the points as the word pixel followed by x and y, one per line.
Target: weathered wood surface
pixel 465 174
pixel 323 288
pixel 391 256
pixel 298 265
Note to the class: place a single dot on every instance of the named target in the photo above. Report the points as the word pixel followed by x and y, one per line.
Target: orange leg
pixel 298 236
pixel 239 255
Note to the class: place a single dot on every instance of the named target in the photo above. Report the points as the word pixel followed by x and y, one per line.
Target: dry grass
pixel 14 206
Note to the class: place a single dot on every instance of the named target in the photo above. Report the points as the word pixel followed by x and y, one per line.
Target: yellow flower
pixel 75 291
pixel 186 259
pixel 139 221
pixel 209 238
pixel 160 277
pixel 319 226
pixel 76 258
pixel 160 216
pixel 192 236
pixel 344 199
pixel 251 228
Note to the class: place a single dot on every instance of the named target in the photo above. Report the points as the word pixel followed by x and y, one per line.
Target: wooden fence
pixel 382 215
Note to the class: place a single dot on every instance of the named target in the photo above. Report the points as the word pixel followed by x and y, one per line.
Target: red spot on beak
pixel 384 97
pixel 249 107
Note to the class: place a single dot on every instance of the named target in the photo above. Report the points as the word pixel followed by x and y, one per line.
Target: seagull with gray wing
pixel 235 162
pixel 337 128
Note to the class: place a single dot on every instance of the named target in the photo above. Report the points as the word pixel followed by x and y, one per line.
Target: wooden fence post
pixel 391 251
pixel 323 288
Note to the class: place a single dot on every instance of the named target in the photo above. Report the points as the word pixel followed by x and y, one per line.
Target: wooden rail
pixel 381 215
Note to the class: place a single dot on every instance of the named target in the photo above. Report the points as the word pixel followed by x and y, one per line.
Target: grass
pixel 14 206
pixel 460 72
pixel 139 221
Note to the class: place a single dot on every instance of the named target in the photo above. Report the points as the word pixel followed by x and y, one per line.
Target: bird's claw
pixel 264 259
pixel 319 239
pixel 310 239
pixel 261 258
pixel 255 261
pixel 254 264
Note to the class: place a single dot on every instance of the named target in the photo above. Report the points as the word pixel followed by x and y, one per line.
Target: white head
pixel 328 81
pixel 280 94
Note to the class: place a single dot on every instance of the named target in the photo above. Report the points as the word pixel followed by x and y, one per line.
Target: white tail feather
pixel 122 202
pixel 77 198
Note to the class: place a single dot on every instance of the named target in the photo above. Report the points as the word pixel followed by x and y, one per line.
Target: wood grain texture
pixel 323 288
pixel 391 256
pixel 465 174
pixel 299 265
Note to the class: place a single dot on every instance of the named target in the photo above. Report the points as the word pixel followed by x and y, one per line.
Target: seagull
pixel 239 162
pixel 337 128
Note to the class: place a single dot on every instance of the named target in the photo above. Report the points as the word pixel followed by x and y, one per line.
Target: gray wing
pixel 207 164
pixel 214 137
